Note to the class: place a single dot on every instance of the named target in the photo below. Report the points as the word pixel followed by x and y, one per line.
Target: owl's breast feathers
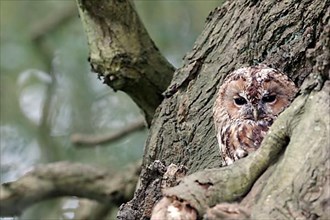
pixel 239 138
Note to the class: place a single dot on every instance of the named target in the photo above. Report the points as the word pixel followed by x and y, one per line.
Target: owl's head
pixel 256 93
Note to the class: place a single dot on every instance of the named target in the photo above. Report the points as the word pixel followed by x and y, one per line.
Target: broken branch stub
pixel 122 52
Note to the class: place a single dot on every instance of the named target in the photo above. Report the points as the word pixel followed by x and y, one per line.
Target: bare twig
pixel 66 179
pixel 85 140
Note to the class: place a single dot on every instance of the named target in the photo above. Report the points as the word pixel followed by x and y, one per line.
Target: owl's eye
pixel 240 101
pixel 269 98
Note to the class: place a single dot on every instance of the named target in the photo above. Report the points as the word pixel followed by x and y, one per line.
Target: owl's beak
pixel 255 113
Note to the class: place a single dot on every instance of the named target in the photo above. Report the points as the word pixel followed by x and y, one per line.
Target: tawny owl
pixel 247 103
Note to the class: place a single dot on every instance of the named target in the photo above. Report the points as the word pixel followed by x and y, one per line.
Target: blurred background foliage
pixel 48 93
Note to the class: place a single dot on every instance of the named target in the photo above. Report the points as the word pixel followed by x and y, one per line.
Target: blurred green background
pixel 48 93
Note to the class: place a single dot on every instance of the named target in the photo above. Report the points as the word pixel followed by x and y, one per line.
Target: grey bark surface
pixel 241 33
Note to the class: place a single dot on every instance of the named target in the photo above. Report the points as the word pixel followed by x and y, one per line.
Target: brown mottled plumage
pixel 247 103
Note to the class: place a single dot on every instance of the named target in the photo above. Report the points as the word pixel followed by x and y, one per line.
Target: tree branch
pixel 85 140
pixel 66 179
pixel 122 52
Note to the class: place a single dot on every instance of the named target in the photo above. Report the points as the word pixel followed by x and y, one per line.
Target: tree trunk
pixel 292 36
